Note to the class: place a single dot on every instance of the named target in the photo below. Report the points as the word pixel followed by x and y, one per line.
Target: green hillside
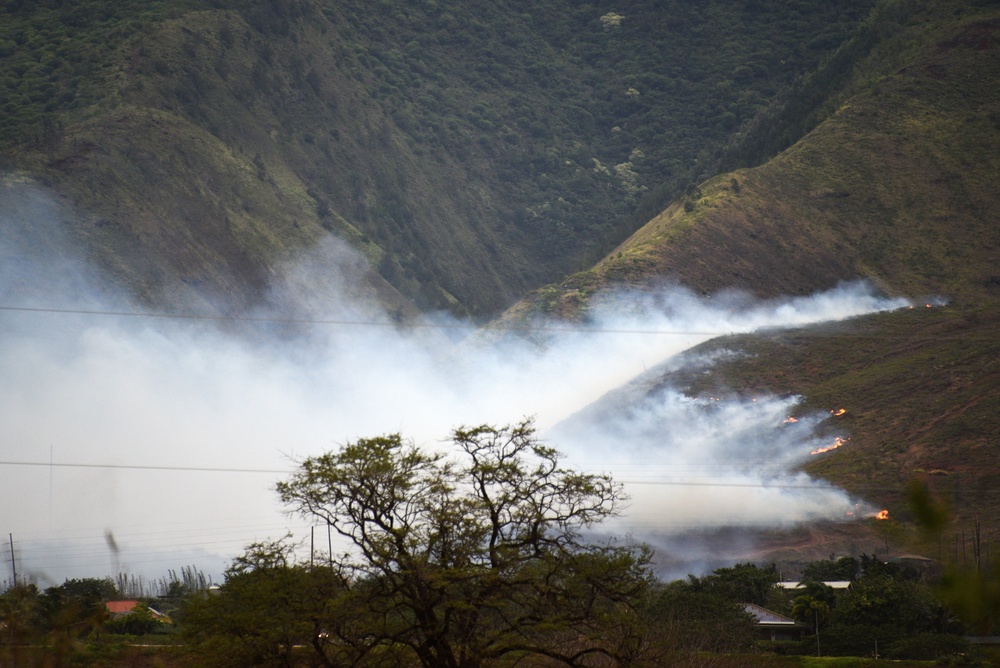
pixel 898 185
pixel 470 151
pixel 473 152
pixel 921 391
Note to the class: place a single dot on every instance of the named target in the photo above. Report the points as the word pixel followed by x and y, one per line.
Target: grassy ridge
pixel 897 186
pixel 921 390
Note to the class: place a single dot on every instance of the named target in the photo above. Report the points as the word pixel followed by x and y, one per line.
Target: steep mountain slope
pixel 469 151
pixel 897 186
pixel 921 391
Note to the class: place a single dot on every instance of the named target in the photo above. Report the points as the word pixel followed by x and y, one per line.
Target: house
pixel 119 608
pixel 837 585
pixel 116 608
pixel 926 568
pixel 772 626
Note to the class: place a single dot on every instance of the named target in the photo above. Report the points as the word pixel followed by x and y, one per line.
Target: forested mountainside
pixel 471 151
pixel 897 185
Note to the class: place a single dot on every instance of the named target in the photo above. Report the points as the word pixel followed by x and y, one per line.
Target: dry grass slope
pixel 897 186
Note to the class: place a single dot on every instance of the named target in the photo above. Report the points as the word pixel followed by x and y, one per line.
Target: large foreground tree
pixel 475 555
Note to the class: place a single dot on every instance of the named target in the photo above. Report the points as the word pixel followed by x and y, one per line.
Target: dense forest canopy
pixel 470 150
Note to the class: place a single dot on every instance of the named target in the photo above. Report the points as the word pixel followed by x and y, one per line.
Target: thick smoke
pixel 163 419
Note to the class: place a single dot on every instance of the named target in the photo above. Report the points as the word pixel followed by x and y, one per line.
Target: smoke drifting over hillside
pixel 161 418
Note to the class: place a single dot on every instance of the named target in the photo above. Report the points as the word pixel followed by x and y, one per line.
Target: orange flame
pixel 790 420
pixel 838 412
pixel 882 515
pixel 836 444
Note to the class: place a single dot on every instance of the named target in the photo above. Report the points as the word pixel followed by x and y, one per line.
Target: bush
pixel 859 640
pixel 136 623
pixel 930 646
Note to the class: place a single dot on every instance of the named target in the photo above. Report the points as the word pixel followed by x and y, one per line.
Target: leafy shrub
pixel 930 646
pixel 841 641
pixel 136 623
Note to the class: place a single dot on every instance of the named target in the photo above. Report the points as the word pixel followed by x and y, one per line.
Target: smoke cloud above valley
pixel 141 444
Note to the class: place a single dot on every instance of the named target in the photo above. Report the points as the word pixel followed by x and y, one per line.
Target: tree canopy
pixel 475 555
pixel 844 568
pixel 267 606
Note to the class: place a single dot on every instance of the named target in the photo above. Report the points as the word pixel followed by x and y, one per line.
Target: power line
pixel 198 316
pixel 148 467
pixel 708 483
pixel 359 323
pixel 211 469
pixel 215 530
pixel 800 329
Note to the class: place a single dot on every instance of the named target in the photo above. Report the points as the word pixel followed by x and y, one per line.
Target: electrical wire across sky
pixel 651 477
pixel 496 326
pixel 156 422
pixel 414 324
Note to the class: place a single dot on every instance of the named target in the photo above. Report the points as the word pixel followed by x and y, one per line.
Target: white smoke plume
pixel 151 429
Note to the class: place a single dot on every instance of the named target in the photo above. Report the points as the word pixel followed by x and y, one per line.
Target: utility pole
pixel 816 617
pixel 977 551
pixel 13 565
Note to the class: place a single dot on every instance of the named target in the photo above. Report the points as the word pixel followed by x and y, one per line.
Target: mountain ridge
pixel 231 136
pixel 894 187
pixel 865 195
pixel 469 154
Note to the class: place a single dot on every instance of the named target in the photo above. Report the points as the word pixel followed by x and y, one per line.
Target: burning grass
pixel 914 391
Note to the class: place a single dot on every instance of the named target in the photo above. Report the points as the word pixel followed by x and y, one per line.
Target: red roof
pixel 117 607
